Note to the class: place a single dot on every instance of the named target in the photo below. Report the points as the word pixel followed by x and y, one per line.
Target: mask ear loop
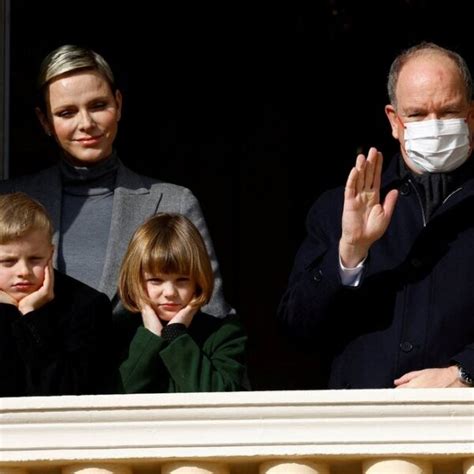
pixel 471 134
pixel 400 121
pixel 404 127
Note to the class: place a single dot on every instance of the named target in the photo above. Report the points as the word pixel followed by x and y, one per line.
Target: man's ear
pixel 391 114
pixel 43 121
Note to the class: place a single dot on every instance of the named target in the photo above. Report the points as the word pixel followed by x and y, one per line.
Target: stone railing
pixel 311 432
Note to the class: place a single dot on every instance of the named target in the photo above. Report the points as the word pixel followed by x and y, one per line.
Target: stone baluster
pixel 97 469
pixel 468 466
pixel 396 466
pixel 191 467
pixel 295 467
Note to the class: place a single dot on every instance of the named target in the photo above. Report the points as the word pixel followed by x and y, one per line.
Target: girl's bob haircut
pixel 165 243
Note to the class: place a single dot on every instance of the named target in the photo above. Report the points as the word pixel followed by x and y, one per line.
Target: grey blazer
pixel 136 198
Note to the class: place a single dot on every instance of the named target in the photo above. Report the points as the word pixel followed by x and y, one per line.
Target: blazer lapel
pixel 133 203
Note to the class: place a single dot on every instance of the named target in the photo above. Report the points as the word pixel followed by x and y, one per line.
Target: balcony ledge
pixel 239 425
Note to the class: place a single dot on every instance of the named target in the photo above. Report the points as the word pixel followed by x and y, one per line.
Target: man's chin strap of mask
pixel 437 146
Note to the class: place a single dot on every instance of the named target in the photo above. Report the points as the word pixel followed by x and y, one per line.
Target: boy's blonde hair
pixel 165 243
pixel 20 215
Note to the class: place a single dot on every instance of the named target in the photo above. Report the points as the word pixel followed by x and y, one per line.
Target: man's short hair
pixel 422 49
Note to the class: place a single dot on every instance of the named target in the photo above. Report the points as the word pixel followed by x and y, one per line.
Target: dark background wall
pixel 257 110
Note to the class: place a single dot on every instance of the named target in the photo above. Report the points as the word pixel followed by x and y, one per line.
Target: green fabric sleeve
pixel 218 366
pixel 139 371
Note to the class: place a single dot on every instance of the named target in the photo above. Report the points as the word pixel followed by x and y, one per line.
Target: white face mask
pixel 437 146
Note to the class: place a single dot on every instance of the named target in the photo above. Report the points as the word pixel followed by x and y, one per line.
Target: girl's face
pixel 83 116
pixel 169 293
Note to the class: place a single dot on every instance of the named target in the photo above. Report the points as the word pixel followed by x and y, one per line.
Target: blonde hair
pixel 70 59
pixel 20 215
pixel 165 243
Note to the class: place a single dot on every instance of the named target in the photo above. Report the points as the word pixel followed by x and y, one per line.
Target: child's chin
pixel 19 295
pixel 166 316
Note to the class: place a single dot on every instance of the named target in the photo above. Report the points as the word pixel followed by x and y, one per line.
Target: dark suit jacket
pixel 414 308
pixel 59 349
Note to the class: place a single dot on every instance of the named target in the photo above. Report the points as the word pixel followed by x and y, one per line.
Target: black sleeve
pixel 12 367
pixel 315 289
pixel 64 347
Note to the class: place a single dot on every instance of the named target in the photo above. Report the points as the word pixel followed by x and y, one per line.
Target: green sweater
pixel 208 357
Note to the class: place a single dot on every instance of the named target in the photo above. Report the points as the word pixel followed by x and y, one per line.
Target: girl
pixel 166 276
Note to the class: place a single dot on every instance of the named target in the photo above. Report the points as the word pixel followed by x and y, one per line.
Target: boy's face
pixel 22 264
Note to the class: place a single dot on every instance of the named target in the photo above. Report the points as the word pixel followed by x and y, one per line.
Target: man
pixel 385 277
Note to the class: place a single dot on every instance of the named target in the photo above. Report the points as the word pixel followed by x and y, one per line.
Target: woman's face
pixel 83 116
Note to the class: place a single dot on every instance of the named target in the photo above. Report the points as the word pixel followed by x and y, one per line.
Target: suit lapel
pixel 133 203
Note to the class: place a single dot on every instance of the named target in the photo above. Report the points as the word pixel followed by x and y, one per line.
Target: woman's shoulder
pixel 127 177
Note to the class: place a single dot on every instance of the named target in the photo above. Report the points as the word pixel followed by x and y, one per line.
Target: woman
pixel 96 203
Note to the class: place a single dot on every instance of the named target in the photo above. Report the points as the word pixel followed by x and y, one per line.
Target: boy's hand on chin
pixel 7 299
pixel 44 294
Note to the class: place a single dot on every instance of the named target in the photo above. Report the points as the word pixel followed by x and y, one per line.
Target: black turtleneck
pixel 434 188
pixel 86 213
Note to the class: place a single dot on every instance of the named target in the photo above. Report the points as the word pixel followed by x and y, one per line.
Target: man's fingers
pixel 371 167
pixel 351 184
pixel 389 203
pixel 360 165
pixel 378 172
pixel 405 378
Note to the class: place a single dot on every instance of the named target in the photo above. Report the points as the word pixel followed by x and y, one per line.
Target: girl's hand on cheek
pixel 186 315
pixel 151 320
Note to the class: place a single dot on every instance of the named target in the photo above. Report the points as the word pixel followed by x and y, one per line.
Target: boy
pixel 52 327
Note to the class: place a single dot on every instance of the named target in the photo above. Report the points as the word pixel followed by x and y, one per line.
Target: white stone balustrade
pixel 294 432
pixel 395 466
